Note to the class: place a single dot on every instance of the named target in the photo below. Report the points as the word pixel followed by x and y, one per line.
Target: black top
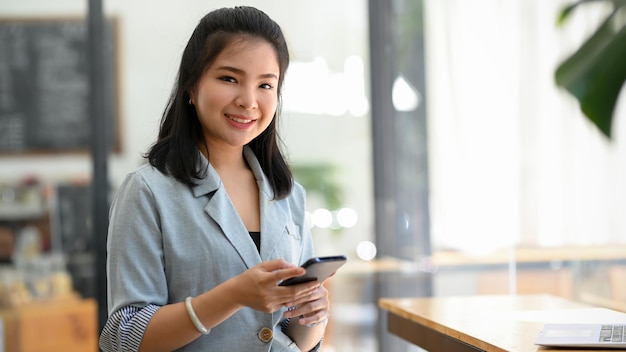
pixel 256 237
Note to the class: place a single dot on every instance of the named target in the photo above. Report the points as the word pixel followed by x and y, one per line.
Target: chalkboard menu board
pixel 44 86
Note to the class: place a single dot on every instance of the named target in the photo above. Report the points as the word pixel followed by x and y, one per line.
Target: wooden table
pixel 484 323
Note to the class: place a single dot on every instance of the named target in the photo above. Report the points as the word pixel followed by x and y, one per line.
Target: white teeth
pixel 239 120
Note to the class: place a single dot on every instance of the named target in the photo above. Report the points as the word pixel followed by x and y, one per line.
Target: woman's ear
pixel 189 99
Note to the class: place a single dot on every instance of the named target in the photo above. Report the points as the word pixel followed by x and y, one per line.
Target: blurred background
pixel 437 150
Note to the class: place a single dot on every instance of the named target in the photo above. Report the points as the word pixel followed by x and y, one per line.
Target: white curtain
pixel 513 161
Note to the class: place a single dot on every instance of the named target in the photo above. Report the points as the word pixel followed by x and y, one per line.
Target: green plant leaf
pixel 596 72
pixel 567 10
pixel 320 179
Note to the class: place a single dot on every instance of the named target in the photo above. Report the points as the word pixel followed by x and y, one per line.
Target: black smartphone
pixel 318 268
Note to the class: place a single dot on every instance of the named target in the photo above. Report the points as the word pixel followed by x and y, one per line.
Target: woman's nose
pixel 247 98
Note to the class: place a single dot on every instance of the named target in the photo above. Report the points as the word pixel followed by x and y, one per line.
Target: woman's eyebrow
pixel 242 72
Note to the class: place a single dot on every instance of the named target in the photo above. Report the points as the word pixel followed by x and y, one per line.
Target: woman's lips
pixel 239 119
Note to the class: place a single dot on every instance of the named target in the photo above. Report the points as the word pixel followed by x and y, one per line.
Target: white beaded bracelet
pixel 194 318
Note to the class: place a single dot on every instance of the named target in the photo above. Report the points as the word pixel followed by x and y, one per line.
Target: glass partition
pixel 436 149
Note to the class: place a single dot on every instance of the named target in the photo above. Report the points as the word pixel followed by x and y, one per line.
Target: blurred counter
pixel 67 325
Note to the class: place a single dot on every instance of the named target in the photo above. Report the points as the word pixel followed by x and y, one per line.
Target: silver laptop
pixel 583 335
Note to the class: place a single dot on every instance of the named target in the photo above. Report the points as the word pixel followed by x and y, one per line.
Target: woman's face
pixel 237 96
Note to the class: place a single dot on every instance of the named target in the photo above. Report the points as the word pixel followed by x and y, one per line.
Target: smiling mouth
pixel 239 120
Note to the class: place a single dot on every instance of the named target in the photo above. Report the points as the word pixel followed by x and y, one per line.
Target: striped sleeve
pixel 124 329
pixel 283 327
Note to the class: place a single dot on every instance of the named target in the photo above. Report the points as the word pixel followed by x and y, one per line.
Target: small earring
pixel 190 102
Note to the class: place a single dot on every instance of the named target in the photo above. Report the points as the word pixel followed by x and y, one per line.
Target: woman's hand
pixel 258 288
pixel 312 308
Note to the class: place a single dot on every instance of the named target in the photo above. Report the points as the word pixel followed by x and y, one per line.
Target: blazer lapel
pixel 274 226
pixel 276 219
pixel 222 211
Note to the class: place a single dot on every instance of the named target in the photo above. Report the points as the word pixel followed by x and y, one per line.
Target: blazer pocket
pixel 293 230
pixel 294 241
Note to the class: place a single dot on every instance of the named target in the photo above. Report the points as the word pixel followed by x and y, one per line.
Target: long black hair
pixel 175 151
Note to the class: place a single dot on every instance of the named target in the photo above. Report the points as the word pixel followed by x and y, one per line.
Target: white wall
pixel 152 34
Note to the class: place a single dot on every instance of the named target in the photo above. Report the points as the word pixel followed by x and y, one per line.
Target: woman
pixel 200 237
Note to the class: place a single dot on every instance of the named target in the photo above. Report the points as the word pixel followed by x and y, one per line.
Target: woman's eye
pixel 228 79
pixel 266 86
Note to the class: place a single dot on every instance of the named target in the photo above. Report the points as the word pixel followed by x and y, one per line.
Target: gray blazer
pixel 168 241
